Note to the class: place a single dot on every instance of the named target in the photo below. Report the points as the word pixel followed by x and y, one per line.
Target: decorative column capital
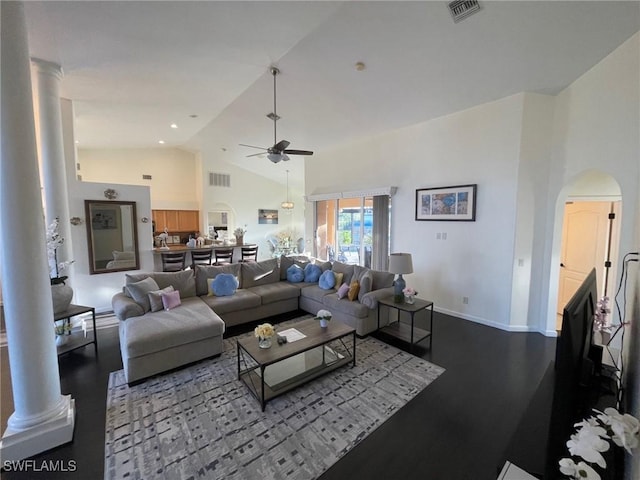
pixel 47 67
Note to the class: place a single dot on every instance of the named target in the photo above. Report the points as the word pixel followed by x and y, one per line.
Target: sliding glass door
pixel 345 230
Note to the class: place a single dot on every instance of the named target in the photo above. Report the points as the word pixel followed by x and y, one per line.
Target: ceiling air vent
pixel 461 9
pixel 219 180
pixel 146 177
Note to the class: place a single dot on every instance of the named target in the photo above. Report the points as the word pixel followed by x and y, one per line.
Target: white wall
pixel 175 173
pixel 533 174
pixel 97 290
pixel 250 192
pixel 596 127
pixel 180 180
pixel 480 145
pixel 525 152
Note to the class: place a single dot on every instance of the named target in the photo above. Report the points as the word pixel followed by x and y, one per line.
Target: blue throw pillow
pixel 327 280
pixel 312 273
pixel 224 284
pixel 295 274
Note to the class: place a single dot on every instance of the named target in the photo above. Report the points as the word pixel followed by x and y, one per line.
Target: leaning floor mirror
pixel 112 236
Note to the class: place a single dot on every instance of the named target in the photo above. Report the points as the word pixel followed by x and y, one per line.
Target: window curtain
pixel 380 248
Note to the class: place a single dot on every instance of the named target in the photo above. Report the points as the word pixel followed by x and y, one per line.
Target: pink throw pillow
pixel 171 299
pixel 343 290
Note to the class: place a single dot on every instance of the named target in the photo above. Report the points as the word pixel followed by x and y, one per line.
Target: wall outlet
pixel 438 236
pixel 444 235
pixel 521 262
pixel 465 300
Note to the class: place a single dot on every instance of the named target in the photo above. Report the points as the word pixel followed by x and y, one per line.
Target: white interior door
pixel 585 234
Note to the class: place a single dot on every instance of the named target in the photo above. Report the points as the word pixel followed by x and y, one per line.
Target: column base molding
pixel 20 444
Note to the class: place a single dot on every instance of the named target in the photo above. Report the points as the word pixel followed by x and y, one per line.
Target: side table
pixel 78 339
pixel 402 331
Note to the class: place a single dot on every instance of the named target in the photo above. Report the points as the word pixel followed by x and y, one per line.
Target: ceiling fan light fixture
pixel 274 157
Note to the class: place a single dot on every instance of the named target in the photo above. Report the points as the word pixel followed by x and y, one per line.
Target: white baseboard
pixel 489 323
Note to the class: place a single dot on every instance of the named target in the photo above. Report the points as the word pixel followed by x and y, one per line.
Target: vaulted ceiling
pixel 133 68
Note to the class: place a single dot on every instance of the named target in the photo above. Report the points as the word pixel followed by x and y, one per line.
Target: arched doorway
pixel 587 226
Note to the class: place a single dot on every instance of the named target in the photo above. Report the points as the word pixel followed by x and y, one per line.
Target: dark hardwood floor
pixel 457 428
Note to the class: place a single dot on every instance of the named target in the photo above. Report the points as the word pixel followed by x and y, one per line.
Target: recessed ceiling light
pixel 173 125
pixel 360 66
pixel 193 115
pixel 161 142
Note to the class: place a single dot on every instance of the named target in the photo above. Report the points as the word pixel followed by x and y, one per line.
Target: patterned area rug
pixel 202 423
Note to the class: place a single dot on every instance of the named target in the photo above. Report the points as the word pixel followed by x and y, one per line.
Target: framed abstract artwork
pixel 457 203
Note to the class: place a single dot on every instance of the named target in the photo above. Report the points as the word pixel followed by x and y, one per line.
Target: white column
pixel 51 146
pixel 42 417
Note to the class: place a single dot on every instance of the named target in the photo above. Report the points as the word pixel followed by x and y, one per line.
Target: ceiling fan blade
pixel 281 145
pixel 298 152
pixel 256 155
pixel 252 146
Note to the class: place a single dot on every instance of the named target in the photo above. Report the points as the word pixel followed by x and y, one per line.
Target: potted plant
pixel 264 332
pixel 61 292
pixel 325 317
pixel 409 294
pixel 239 234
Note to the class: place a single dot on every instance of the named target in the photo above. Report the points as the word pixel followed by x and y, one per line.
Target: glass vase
pixel 264 342
pixel 409 299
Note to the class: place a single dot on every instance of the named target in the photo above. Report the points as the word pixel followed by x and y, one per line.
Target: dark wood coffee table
pixel 270 372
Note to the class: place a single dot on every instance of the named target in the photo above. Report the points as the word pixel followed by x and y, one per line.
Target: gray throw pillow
pixel 139 291
pixel 155 298
pixel 260 273
pixel 339 267
pixel 366 282
pixel 287 261
pixel 183 281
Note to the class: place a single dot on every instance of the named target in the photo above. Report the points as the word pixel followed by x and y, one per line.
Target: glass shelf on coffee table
pixel 270 372
pixel 407 332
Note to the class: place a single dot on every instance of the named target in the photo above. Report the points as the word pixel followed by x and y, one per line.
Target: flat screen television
pixel 575 362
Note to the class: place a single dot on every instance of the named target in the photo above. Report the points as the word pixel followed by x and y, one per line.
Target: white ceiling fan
pixel 278 152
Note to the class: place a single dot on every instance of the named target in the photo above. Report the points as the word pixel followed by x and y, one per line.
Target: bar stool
pixel 200 257
pixel 173 261
pixel 249 254
pixel 224 256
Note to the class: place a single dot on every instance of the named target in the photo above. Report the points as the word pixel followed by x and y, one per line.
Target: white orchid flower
pixel 568 467
pixel 625 428
pixel 324 314
pixel 588 445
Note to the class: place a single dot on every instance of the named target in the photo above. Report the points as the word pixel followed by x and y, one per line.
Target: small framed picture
pixel 267 216
pixel 457 203
pixel 175 239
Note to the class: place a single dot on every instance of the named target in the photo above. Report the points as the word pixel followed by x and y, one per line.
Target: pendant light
pixel 287 205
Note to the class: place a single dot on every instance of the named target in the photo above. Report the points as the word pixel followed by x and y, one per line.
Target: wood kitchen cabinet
pixel 188 220
pixel 177 220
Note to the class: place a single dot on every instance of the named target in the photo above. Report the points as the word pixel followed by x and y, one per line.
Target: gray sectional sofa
pixel 152 342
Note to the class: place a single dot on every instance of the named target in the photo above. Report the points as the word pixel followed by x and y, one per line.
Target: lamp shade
pixel 400 263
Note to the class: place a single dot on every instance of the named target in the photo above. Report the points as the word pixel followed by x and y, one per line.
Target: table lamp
pixel 400 263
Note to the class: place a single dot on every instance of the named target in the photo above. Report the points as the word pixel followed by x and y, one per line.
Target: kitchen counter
pixel 184 248
pixel 157 252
